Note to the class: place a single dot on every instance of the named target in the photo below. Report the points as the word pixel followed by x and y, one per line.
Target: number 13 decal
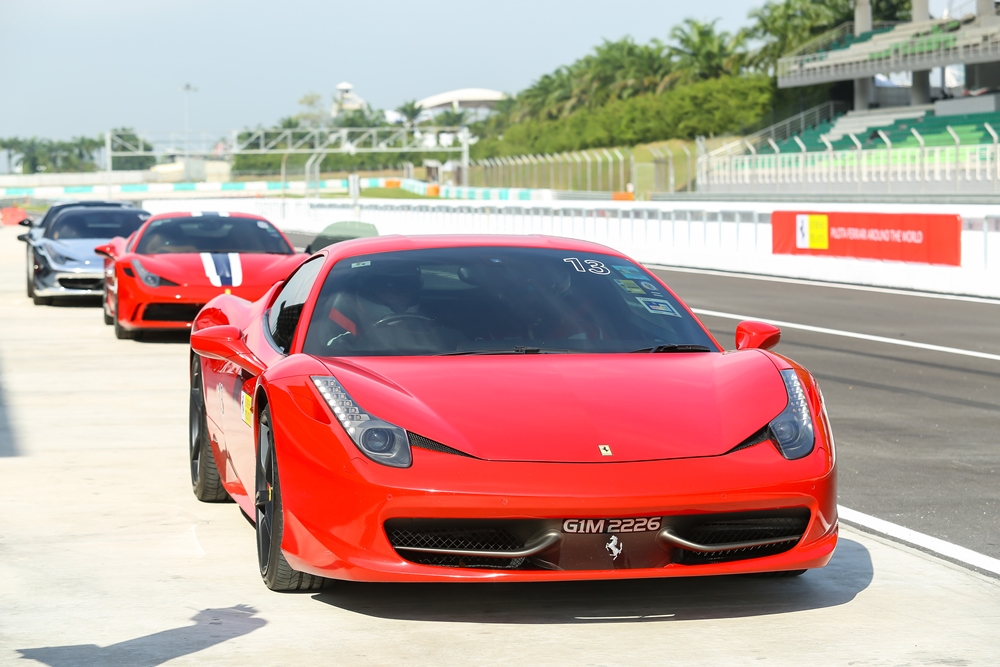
pixel 593 264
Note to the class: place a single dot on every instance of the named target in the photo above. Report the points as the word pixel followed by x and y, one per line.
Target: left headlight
pixel 793 429
pixel 379 440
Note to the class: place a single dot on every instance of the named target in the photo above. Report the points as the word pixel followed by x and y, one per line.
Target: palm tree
pixel 410 111
pixel 703 53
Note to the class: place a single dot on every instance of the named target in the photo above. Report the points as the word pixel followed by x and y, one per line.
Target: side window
pixel 284 315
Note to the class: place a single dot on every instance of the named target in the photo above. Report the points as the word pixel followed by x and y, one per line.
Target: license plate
pixel 599 526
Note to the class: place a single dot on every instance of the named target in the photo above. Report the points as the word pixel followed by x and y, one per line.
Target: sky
pixel 78 68
pixel 73 67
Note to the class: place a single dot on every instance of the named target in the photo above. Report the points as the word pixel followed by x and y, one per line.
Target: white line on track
pixel 852 334
pixel 932 544
pixel 822 283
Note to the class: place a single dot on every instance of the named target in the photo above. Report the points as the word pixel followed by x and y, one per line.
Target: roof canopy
pixel 466 98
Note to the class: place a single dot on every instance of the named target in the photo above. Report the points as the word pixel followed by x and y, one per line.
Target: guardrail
pixel 708 235
pixel 938 169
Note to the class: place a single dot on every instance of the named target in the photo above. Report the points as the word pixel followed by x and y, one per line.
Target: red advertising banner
pixel 900 237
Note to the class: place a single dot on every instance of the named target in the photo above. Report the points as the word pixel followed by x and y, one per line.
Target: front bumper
pixel 69 282
pixel 169 308
pixel 336 511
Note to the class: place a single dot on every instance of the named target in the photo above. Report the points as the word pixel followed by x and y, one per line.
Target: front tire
pixel 205 479
pixel 277 574
pixel 121 333
pixel 109 319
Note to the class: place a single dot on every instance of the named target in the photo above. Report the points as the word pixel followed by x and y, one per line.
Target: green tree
pixel 410 111
pixel 702 53
pixel 313 113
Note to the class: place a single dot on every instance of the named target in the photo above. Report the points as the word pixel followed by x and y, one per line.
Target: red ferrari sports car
pixel 161 276
pixel 501 408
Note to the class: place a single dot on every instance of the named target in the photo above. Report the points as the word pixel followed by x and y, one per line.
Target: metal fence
pixel 599 170
pixel 938 169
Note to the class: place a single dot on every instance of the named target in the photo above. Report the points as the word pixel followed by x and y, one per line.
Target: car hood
pixel 560 408
pixel 220 269
pixel 78 250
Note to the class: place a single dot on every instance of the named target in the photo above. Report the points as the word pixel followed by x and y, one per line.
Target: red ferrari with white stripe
pixel 160 276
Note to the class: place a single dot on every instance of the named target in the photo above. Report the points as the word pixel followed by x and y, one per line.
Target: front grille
pixel 171 312
pixel 81 283
pixel 746 528
pixel 483 538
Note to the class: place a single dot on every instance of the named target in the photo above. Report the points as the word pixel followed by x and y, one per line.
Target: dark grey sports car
pixel 61 261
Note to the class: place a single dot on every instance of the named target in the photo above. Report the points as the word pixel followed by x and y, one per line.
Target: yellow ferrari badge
pixel 247 404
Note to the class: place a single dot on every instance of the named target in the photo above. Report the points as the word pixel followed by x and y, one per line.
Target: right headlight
pixel 379 440
pixel 150 279
pixel 793 428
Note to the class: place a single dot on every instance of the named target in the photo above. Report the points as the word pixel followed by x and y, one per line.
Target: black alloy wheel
pixel 35 299
pixel 277 574
pixel 205 479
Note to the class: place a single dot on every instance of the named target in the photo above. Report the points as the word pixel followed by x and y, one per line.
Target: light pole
pixel 187 89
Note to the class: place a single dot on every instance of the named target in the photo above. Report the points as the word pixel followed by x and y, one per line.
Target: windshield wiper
pixel 517 349
pixel 673 348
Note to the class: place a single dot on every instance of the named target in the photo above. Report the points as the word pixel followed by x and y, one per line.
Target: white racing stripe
pixel 210 272
pixel 932 544
pixel 852 334
pixel 823 283
pixel 236 268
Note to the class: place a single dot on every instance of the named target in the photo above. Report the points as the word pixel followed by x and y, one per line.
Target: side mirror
pixel 26 222
pixel 108 250
pixel 225 342
pixel 751 335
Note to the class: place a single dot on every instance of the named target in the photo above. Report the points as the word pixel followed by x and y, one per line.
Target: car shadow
pixel 164 337
pixel 211 627
pixel 77 302
pixel 627 601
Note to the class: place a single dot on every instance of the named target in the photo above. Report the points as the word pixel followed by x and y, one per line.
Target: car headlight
pixel 150 279
pixel 379 440
pixel 793 428
pixel 57 257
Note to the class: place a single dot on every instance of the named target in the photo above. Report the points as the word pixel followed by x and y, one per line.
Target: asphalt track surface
pixel 917 431
pixel 107 559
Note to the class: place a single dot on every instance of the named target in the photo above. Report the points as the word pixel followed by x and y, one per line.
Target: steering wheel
pixel 386 321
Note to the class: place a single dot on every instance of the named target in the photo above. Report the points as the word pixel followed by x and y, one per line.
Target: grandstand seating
pixel 897 124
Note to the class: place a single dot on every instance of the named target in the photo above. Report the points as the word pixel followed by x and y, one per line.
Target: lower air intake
pixel 784 528
pixel 171 312
pixel 453 539
pixel 81 283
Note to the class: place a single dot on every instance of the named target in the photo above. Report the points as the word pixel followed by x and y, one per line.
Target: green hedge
pixel 712 107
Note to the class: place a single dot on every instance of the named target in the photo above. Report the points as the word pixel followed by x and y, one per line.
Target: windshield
pixel 83 224
pixel 212 233
pixel 494 299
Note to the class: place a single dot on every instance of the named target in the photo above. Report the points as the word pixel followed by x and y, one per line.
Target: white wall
pixel 651 232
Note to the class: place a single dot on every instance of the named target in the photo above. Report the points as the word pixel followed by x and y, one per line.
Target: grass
pixel 392 193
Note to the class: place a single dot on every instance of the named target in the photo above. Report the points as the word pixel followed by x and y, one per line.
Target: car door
pixel 280 324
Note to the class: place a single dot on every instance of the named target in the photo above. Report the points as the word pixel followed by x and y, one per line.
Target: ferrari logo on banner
pixel 812 231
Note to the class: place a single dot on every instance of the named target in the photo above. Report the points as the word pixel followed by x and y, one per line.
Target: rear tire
pixel 30 261
pixel 121 333
pixel 277 574
pixel 205 479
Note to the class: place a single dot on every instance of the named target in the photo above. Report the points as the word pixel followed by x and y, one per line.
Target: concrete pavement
pixel 107 558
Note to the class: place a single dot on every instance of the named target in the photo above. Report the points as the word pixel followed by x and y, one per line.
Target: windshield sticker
pixel 359 264
pixel 658 306
pixel 262 224
pixel 630 272
pixel 630 286
pixel 648 286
